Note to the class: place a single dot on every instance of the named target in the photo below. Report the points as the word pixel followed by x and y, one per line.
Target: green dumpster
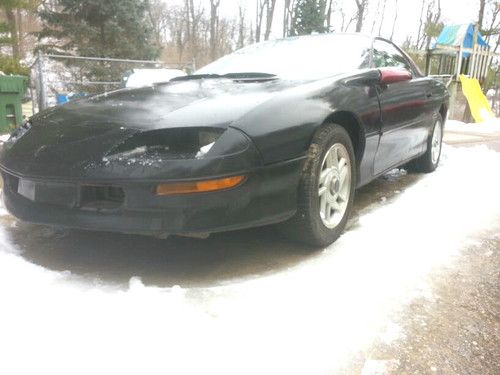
pixel 12 90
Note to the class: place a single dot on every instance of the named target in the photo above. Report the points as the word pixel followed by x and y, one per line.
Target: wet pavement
pixel 222 258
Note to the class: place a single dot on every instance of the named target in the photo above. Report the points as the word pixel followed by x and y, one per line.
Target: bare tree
pixel 176 24
pixel 345 24
pixel 242 27
pixel 480 18
pixel 288 16
pixel 328 15
pixel 490 15
pixel 360 14
pixel 214 25
pixel 376 16
pixel 382 15
pixel 433 24
pixel 395 18
pixel 194 17
pixel 158 15
pixel 271 5
pixel 421 31
pixel 261 5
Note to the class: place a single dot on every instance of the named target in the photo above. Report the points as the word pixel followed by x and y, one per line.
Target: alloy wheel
pixel 437 138
pixel 334 188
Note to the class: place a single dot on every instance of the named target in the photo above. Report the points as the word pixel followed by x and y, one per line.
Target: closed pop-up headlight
pixel 180 143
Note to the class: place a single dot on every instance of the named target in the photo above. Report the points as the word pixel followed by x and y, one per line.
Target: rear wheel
pixel 326 189
pixel 429 161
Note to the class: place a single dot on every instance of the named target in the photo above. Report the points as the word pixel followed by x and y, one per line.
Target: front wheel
pixel 326 189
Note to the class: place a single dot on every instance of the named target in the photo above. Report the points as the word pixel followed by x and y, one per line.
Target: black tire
pixel 425 163
pixel 307 225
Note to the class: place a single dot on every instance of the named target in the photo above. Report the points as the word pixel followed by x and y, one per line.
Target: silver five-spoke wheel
pixel 437 138
pixel 334 186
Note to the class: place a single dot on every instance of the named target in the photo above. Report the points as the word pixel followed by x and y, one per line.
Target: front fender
pixel 282 128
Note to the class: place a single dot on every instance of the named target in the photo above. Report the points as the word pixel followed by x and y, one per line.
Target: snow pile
pixel 489 127
pixel 309 319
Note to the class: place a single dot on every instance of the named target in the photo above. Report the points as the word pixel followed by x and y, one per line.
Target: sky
pixel 454 12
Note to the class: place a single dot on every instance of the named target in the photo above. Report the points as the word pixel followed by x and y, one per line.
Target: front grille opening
pixel 10 182
pixel 101 197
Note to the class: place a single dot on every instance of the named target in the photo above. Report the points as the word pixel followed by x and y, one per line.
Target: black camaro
pixel 279 132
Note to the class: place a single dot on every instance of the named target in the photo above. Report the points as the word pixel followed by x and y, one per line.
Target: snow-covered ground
pixel 491 127
pixel 310 316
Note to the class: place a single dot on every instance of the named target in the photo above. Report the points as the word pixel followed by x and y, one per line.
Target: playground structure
pixel 462 58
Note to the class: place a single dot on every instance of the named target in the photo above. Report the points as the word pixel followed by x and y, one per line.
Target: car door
pixel 404 117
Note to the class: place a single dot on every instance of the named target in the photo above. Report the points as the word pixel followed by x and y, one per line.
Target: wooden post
pixel 481 64
pixel 428 62
pixel 472 72
pixel 474 43
pixel 459 61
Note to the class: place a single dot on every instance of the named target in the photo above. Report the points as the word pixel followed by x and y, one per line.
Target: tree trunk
pixel 285 17
pixel 329 15
pixel 420 25
pixel 14 37
pixel 271 5
pixel 193 31
pixel 395 19
pixel 20 32
pixel 214 20
pixel 261 4
pixel 480 18
pixel 360 16
pixel 242 30
pixel 382 15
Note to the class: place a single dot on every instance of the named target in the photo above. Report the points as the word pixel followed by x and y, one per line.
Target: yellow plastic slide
pixel 478 104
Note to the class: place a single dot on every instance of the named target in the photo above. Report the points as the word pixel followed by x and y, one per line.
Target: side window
pixel 386 55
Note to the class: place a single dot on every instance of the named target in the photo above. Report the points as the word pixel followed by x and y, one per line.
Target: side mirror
pixel 393 75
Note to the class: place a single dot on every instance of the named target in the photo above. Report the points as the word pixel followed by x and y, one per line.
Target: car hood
pixel 204 102
pixel 71 140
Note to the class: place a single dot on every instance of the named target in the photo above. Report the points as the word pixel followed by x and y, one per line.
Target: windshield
pixel 309 57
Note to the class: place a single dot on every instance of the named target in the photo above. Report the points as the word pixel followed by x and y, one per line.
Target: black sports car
pixel 279 132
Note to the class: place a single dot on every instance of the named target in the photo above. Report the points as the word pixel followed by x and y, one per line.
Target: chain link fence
pixel 57 78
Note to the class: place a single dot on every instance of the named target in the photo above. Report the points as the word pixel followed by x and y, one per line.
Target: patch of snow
pixel 148 77
pixel 395 174
pixel 4 138
pixel 307 319
pixel 489 127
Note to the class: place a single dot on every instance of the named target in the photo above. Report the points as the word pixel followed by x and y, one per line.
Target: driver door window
pixel 387 55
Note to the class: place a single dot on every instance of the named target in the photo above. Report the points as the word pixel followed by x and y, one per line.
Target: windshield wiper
pixel 195 76
pixel 250 75
pixel 253 76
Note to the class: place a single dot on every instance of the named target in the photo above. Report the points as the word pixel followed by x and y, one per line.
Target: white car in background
pixel 148 77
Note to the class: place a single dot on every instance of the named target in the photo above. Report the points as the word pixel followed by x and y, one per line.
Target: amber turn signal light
pixel 199 186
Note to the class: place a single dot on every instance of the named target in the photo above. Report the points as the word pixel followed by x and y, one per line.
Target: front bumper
pixel 268 195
